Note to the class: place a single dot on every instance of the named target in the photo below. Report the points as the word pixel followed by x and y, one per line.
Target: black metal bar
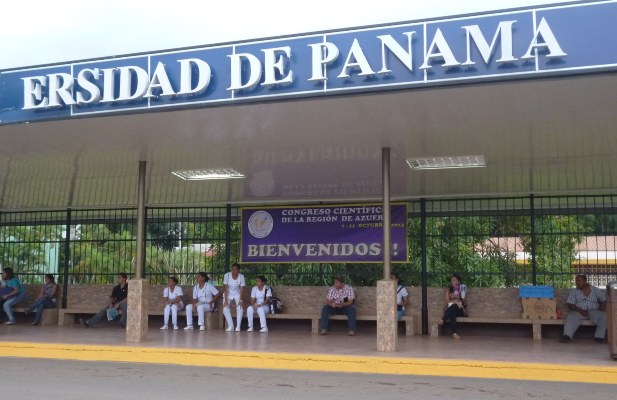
pixel 424 267
pixel 67 259
pixel 228 239
pixel 532 215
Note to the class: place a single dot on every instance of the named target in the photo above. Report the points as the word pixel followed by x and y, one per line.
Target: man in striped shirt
pixel 585 302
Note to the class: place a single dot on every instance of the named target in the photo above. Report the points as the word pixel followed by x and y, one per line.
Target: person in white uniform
pixel 173 302
pixel 204 297
pixel 402 295
pixel 233 282
pixel 260 303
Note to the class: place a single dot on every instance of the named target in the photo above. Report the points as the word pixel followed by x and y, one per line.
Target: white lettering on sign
pixel 323 55
pixel 271 67
pixel 86 85
pixel 33 92
pixel 404 55
pixel 439 49
pixel 504 31
pixel 549 42
pixel 314 250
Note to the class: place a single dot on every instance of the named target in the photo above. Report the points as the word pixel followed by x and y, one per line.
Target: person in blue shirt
pixel 17 293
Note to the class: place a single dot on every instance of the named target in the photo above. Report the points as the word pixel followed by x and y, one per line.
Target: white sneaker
pixel 229 329
pixel 250 329
pixel 175 327
pixel 188 328
pixel 164 327
pixel 238 328
pixel 202 328
pixel 263 330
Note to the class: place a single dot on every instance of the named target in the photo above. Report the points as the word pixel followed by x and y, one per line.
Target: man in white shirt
pixel 204 297
pixel 233 283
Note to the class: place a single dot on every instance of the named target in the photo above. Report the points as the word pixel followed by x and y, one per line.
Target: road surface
pixel 68 380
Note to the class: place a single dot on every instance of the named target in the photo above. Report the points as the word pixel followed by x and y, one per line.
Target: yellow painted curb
pixel 314 362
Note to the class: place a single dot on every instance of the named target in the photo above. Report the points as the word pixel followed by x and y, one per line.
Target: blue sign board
pixel 542 41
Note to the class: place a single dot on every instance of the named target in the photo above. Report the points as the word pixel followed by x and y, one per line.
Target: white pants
pixel 239 312
pixel 202 308
pixel 173 309
pixel 261 311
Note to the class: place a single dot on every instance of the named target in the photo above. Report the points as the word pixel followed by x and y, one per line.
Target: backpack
pixel 276 305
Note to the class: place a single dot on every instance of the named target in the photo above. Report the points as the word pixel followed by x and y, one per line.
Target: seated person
pixel 402 296
pixel 117 300
pixel 233 284
pixel 340 301
pixel 454 297
pixel 205 296
pixel 585 302
pixel 46 299
pixel 173 302
pixel 14 296
pixel 260 303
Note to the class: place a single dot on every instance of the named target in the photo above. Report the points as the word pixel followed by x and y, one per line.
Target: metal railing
pixel 495 242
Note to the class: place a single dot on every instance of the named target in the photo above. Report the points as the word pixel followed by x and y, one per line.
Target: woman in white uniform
pixel 173 302
pixel 204 297
pixel 233 282
pixel 260 303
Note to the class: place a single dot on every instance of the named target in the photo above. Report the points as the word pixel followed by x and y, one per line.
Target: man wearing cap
pixel 340 301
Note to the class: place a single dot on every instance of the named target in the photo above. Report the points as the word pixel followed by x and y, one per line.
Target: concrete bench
pixel 408 320
pixel 66 316
pixel 49 316
pixel 536 324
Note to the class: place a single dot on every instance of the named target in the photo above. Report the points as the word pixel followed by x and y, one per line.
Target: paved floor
pixel 31 379
pixel 470 357
pixel 513 349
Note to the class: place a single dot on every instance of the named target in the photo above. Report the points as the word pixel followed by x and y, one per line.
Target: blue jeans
pixel 350 311
pixel 8 305
pixel 39 305
pixel 399 314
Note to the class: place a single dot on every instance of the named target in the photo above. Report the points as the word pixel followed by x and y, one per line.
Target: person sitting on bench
pixel 454 297
pixel 117 300
pixel 585 302
pixel 340 301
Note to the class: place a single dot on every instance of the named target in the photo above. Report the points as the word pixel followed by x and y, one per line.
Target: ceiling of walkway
pixel 538 136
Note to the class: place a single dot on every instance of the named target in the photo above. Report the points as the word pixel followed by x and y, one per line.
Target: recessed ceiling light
pixel 207 174
pixel 446 162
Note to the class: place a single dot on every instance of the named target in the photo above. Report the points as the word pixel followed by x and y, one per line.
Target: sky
pixel 35 32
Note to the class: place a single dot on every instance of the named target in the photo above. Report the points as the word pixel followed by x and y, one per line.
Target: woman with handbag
pixel 454 296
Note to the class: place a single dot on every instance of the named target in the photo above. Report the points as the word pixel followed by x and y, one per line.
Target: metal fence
pixel 495 242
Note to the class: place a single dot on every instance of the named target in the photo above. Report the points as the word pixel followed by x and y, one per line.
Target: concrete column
pixel 141 221
pixel 387 335
pixel 137 310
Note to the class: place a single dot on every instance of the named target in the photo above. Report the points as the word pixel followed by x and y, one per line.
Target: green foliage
pixel 22 248
pixel 555 251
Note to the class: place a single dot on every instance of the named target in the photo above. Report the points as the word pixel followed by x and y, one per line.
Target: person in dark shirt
pixel 117 300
